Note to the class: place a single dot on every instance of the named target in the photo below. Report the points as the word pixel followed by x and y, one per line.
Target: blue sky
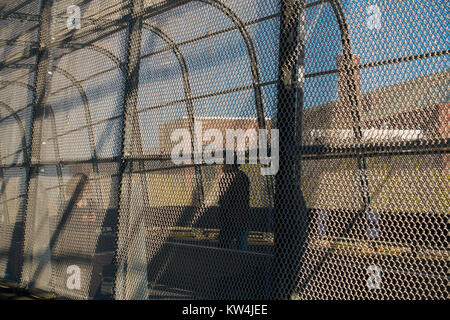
pixel 408 28
pixel 220 63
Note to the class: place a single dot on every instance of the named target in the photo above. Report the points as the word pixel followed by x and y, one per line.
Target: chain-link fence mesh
pixel 95 96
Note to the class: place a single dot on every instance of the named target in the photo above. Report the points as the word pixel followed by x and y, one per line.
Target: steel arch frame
pixel 251 53
pixel 19 122
pixel 187 93
pixel 86 105
pixel 24 151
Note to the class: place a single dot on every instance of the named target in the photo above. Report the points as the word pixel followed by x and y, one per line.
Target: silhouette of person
pixel 234 191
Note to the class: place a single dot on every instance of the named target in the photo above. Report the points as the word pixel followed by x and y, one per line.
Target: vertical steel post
pixel 40 94
pixel 130 133
pixel 291 214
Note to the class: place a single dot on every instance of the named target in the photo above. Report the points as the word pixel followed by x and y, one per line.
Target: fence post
pixel 41 90
pixel 291 214
pixel 130 122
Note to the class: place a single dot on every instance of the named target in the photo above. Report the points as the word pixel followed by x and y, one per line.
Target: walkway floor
pixel 9 291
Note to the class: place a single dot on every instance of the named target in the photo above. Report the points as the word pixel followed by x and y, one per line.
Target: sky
pixel 219 68
pixel 221 62
pixel 407 28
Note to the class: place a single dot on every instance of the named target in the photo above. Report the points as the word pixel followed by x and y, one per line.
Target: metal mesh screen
pixel 97 98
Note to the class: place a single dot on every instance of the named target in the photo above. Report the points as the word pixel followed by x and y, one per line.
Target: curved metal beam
pixel 14 114
pixel 349 68
pixel 252 55
pixel 88 117
pixel 183 66
pixel 83 95
pixel 21 127
pixel 57 153
pixel 187 92
pixel 251 52
pixel 87 109
pixel 343 28
pixel 350 73
pixel 26 158
pixel 18 83
pixel 101 50
pixel 54 131
pixel 253 65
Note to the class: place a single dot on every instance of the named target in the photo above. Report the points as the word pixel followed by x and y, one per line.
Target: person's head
pixel 230 167
pixel 233 166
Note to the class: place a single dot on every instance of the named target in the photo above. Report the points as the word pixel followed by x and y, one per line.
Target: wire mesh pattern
pixel 92 205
